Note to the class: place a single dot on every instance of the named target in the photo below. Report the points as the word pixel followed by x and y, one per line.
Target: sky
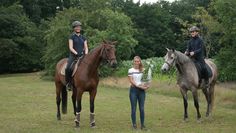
pixel 150 1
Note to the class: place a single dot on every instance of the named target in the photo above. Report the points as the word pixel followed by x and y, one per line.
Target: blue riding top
pixel 78 43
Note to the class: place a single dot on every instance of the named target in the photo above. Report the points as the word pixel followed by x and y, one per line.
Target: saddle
pixel 73 67
pixel 201 71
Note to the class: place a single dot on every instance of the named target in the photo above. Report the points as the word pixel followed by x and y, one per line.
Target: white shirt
pixel 136 75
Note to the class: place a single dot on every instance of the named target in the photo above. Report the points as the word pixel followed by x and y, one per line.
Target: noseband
pixel 171 64
pixel 168 63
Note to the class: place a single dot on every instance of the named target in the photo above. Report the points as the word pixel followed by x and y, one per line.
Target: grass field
pixel 27 105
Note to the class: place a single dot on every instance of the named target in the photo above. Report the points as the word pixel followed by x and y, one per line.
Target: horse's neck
pixel 183 63
pixel 94 58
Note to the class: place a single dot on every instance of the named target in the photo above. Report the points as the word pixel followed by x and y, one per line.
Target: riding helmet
pixel 194 28
pixel 76 23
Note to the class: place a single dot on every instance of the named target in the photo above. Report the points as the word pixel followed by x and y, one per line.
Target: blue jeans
pixel 135 95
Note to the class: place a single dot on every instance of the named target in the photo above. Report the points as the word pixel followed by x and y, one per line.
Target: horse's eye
pixel 171 57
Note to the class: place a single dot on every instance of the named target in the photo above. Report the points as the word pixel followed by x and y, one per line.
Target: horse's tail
pixel 212 94
pixel 64 100
pixel 214 80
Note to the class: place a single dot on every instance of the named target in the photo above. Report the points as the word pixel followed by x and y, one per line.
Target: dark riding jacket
pixel 195 45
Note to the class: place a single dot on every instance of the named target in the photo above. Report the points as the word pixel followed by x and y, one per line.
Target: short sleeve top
pixel 136 75
pixel 78 43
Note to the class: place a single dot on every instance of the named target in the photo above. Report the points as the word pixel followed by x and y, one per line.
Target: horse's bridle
pixel 107 58
pixel 171 64
pixel 168 63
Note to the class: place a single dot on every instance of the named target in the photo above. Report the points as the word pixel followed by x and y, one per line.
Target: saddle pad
pixel 209 70
pixel 64 68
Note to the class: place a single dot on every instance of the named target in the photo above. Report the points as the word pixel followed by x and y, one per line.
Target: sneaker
pixel 134 126
pixel 143 127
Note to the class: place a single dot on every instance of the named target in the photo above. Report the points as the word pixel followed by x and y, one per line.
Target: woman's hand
pixel 143 86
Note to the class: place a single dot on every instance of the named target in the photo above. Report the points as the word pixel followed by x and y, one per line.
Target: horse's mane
pixel 100 45
pixel 182 58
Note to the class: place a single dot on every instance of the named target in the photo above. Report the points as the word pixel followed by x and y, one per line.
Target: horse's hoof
pixel 77 124
pixel 92 125
pixel 58 117
pixel 199 120
pixel 209 117
pixel 185 119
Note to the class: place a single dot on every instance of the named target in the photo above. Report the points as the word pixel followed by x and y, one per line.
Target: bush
pixel 157 62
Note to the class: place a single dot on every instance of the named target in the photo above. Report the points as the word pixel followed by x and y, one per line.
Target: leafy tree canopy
pixel 99 25
pixel 19 41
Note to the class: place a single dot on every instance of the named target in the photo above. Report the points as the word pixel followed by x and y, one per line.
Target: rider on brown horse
pixel 78 47
pixel 195 49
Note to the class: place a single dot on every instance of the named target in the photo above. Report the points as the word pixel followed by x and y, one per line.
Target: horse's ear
pixel 167 49
pixel 172 49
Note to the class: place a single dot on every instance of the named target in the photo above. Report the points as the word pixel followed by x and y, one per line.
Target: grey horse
pixel 188 79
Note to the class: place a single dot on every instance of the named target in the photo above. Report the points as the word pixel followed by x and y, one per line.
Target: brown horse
pixel 86 78
pixel 188 79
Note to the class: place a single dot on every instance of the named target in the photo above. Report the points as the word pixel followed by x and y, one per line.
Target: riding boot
pixel 68 79
pixel 206 77
pixel 77 119
pixel 92 120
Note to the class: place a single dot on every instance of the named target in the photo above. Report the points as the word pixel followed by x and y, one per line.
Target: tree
pixel 99 24
pixel 226 59
pixel 41 9
pixel 154 28
pixel 20 44
pixel 210 31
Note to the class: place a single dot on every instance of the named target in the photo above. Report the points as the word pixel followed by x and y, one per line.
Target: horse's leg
pixel 73 97
pixel 58 99
pixel 92 114
pixel 195 98
pixel 78 108
pixel 206 93
pixel 185 101
pixel 211 97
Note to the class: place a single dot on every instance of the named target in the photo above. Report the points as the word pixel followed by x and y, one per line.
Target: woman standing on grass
pixel 137 91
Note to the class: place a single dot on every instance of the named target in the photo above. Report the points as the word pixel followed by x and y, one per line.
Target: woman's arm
pixel 142 86
pixel 85 47
pixel 71 47
pixel 131 81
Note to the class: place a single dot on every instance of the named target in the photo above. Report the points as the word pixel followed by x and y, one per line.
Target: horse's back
pixel 213 67
pixel 59 66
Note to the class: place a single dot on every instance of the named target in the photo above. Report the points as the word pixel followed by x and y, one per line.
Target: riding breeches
pixel 68 70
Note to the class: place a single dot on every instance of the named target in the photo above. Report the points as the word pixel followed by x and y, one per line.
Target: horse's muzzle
pixel 165 67
pixel 164 70
pixel 113 64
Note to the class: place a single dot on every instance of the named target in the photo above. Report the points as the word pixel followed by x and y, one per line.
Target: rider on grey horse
pixel 195 49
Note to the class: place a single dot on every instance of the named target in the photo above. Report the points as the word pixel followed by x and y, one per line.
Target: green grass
pixel 28 106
